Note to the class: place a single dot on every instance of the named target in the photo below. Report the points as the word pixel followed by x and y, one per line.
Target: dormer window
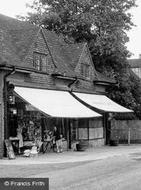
pixel 40 61
pixel 85 70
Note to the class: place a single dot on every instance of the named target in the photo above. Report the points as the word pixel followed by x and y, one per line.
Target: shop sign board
pixel 10 151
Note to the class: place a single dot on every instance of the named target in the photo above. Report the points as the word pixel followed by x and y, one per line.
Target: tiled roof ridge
pixel 42 30
pixel 68 50
pixel 11 21
pixel 61 38
pixel 8 17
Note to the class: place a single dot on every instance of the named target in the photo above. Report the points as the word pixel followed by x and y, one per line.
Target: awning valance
pixel 101 102
pixel 55 103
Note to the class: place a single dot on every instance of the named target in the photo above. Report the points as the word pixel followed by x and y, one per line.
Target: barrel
pixel 82 145
pixel 114 142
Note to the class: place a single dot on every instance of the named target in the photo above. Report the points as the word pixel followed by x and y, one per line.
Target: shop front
pixel 103 105
pixel 33 113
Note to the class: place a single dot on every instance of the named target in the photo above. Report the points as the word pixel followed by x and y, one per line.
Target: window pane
pixel 44 63
pixel 83 133
pixel 95 133
pixel 40 62
pixel 85 69
pixel 37 61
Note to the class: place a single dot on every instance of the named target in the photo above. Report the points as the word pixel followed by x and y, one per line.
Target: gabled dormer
pixel 40 55
pixel 85 67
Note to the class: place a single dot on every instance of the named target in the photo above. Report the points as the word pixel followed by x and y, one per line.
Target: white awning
pixel 101 102
pixel 55 103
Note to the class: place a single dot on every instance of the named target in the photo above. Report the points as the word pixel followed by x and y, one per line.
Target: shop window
pixel 40 62
pixel 85 70
pixel 83 134
pixel 83 129
pixel 95 133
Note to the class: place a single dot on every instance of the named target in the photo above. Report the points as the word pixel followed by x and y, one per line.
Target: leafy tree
pixel 103 25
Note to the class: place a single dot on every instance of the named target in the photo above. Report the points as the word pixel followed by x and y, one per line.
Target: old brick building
pixel 46 81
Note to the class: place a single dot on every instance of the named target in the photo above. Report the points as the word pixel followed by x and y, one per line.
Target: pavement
pixel 91 154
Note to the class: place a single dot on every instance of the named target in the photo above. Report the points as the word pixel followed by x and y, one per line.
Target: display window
pixel 28 126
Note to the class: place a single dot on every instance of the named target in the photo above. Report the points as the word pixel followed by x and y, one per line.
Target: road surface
pixel 115 173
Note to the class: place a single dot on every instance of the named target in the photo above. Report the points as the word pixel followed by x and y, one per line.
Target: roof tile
pixel 17 37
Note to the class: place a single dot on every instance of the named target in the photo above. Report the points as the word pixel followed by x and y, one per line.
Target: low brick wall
pixel 65 146
pixel 91 143
pixel 96 142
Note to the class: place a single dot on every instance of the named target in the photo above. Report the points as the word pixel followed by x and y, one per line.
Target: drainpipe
pixel 72 83
pixel 68 120
pixel 5 101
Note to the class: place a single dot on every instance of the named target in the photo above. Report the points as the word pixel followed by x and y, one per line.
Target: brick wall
pixel 84 84
pixel 96 142
pixel 38 78
pixel 100 88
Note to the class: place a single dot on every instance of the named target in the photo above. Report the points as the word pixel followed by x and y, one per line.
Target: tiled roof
pixel 17 37
pixel 134 63
pixel 65 55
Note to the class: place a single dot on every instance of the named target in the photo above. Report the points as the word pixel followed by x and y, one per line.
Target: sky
pixel 18 7
pixel 134 44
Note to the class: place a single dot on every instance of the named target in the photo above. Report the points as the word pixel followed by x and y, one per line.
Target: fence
pixel 127 131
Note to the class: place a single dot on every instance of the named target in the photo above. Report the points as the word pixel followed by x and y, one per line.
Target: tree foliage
pixel 103 25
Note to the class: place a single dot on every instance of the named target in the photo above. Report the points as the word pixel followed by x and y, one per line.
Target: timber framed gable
pixel 39 56
pixel 85 67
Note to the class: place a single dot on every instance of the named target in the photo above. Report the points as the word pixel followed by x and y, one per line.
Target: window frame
pixel 85 70
pixel 38 61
